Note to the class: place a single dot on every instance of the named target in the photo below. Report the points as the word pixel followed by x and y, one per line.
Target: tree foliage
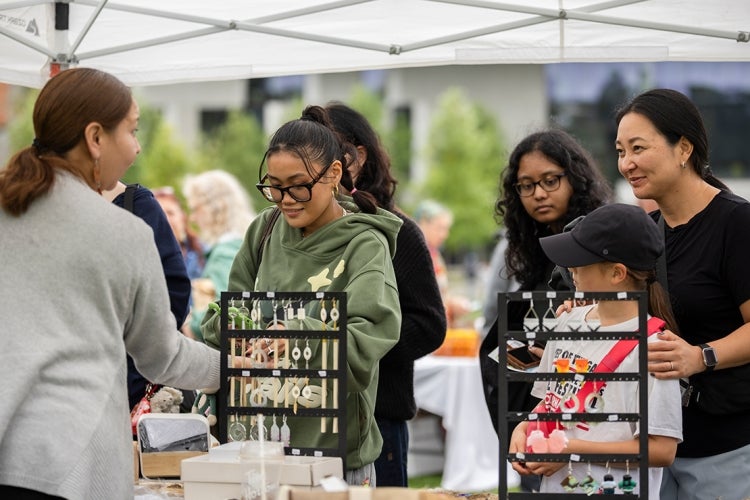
pixel 21 127
pixel 237 147
pixel 464 158
pixel 164 160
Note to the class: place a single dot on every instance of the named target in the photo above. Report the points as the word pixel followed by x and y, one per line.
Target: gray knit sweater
pixel 81 283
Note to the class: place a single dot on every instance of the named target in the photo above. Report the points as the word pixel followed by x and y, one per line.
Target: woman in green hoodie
pixel 323 243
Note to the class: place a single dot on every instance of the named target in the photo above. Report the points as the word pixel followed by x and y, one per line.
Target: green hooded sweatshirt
pixel 352 254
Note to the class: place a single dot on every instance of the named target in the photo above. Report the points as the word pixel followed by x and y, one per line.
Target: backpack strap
pixel 621 349
pixel 128 196
pixel 616 355
pixel 267 231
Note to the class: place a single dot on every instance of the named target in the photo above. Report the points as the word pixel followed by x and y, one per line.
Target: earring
pixel 97 176
pixel 237 431
pixel 589 484
pixel 683 164
pixel 285 433
pixel 570 482
pixel 594 403
pixel 608 484
pixel 275 431
pixel 307 354
pixel 570 404
pixel 531 319
pixel 335 190
pixel 627 485
pixel 549 320
pixel 296 352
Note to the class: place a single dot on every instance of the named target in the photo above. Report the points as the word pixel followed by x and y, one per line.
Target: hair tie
pixel 36 144
pixel 354 190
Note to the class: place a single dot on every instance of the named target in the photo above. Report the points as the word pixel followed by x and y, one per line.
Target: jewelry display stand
pixel 540 324
pixel 283 367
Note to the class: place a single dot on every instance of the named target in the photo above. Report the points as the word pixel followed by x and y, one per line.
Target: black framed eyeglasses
pixel 549 184
pixel 298 192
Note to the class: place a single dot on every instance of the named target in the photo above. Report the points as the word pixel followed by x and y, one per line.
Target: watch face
pixel 709 356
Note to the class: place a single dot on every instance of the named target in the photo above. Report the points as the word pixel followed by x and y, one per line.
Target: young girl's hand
pixel 544 468
pixel 518 445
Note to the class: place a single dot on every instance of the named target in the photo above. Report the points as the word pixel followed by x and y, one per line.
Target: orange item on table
pixel 459 342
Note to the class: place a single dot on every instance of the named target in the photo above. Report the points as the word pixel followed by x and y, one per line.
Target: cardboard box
pixel 308 471
pixel 165 464
pixel 208 478
pixel 166 439
pixel 136 468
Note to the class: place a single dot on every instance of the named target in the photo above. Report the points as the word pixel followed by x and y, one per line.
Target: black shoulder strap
pixel 127 202
pixel 267 231
pixel 661 263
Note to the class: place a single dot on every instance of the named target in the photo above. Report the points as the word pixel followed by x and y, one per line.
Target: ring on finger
pixel 671 366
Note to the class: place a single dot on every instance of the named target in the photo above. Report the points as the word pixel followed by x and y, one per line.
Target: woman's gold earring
pixel 684 164
pixel 336 190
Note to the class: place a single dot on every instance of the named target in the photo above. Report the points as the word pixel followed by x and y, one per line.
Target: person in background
pixel 435 221
pixel 549 181
pixel 190 244
pixel 351 244
pixel 178 284
pixel 613 249
pixel 423 320
pixel 83 286
pixel 662 149
pixel 221 209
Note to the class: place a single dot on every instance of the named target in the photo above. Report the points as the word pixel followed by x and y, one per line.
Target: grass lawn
pixel 433 481
pixel 430 481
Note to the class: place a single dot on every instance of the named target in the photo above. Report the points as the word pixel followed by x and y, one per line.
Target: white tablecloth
pixel 452 388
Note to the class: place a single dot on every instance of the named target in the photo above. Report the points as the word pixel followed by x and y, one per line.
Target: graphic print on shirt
pixel 317 281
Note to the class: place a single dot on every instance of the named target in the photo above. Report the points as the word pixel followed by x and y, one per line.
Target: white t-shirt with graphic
pixel 664 410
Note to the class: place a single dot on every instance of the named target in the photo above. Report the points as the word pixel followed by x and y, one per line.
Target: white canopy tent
pixel 145 42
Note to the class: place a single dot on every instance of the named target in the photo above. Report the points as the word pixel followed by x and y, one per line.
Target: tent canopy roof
pixel 145 42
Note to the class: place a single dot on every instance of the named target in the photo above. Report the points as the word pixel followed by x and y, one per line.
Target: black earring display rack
pixel 539 325
pixel 283 356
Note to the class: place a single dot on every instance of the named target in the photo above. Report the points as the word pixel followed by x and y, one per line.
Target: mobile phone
pixel 521 358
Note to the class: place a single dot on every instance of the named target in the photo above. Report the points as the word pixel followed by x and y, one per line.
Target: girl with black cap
pixel 614 248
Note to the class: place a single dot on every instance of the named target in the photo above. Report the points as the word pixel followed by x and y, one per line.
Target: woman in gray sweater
pixel 82 286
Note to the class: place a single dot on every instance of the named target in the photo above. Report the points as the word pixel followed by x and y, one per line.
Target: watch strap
pixel 704 347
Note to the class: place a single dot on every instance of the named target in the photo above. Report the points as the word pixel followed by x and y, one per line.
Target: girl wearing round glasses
pixel 549 181
pixel 323 243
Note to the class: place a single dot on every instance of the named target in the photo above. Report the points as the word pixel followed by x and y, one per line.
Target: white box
pixel 218 477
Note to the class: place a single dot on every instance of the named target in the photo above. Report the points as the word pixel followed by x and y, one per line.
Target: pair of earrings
pixel 609 486
pixel 537 442
pixel 531 319
pixel 588 485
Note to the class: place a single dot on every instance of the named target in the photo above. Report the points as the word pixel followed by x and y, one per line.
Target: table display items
pixel 283 373
pixel 582 404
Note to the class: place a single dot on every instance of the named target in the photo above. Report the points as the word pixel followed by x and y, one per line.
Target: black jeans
pixel 390 466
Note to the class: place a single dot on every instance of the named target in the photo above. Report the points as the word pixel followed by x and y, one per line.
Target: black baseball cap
pixel 615 233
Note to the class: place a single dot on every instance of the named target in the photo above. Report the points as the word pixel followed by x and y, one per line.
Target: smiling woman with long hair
pixel 550 180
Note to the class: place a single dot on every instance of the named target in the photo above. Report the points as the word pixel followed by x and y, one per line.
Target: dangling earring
pixel 627 485
pixel 97 175
pixel 589 484
pixel 335 190
pixel 570 482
